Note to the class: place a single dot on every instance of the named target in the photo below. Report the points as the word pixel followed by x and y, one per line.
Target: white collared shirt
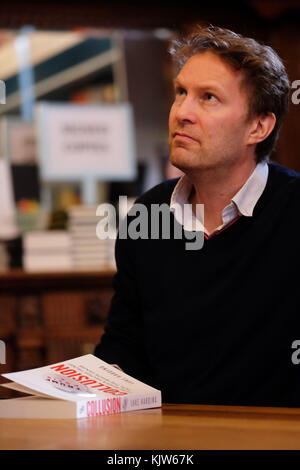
pixel 242 203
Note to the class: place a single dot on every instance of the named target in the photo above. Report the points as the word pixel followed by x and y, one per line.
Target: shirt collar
pixel 245 199
pixel 181 207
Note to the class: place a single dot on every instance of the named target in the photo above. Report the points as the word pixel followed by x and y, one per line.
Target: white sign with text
pixel 82 141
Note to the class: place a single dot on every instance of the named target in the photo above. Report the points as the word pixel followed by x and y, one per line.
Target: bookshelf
pixel 48 317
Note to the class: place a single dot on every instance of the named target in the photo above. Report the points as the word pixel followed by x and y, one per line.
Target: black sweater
pixel 215 325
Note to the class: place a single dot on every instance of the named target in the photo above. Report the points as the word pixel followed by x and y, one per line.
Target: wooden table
pixel 170 427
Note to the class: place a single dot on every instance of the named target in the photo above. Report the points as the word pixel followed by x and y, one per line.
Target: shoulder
pixel 281 173
pixel 283 185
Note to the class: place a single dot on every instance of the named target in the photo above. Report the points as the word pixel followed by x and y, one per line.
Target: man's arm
pixel 123 342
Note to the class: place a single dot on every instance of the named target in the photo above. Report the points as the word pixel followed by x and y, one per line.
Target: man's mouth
pixel 183 136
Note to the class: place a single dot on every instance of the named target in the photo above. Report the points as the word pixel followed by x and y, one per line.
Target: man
pixel 216 324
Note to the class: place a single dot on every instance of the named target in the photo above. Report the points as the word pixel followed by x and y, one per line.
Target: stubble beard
pixel 191 162
pixel 188 161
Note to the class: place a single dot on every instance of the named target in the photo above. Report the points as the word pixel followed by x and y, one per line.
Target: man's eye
pixel 180 91
pixel 210 97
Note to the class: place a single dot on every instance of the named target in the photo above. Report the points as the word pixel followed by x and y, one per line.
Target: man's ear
pixel 261 128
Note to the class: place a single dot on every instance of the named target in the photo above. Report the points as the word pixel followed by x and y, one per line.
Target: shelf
pixel 19 280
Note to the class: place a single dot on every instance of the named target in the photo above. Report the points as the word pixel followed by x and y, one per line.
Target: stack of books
pixel 47 250
pixel 88 251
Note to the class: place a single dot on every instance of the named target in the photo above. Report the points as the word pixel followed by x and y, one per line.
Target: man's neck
pixel 216 188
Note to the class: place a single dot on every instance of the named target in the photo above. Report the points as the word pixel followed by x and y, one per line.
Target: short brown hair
pixel 265 76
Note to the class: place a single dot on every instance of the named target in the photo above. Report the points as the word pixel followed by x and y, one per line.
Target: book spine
pixel 111 405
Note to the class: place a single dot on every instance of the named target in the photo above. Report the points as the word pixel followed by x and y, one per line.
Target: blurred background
pixel 88 88
pixel 58 62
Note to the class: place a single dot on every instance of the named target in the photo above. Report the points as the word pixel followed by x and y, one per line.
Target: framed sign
pixel 81 142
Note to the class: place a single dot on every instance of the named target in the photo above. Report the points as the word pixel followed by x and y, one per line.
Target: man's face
pixel 208 126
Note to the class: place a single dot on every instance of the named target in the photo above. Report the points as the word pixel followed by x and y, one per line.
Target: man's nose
pixel 186 110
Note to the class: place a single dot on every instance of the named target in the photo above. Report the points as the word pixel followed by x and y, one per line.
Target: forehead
pixel 208 67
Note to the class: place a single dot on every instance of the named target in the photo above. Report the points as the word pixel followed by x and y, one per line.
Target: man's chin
pixel 192 164
pixel 184 164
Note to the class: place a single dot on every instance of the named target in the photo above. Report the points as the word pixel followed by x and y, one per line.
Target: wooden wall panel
pixel 286 40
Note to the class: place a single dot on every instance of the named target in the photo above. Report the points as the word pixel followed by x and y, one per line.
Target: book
pixel 46 240
pixel 47 250
pixel 88 251
pixel 49 262
pixel 82 387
